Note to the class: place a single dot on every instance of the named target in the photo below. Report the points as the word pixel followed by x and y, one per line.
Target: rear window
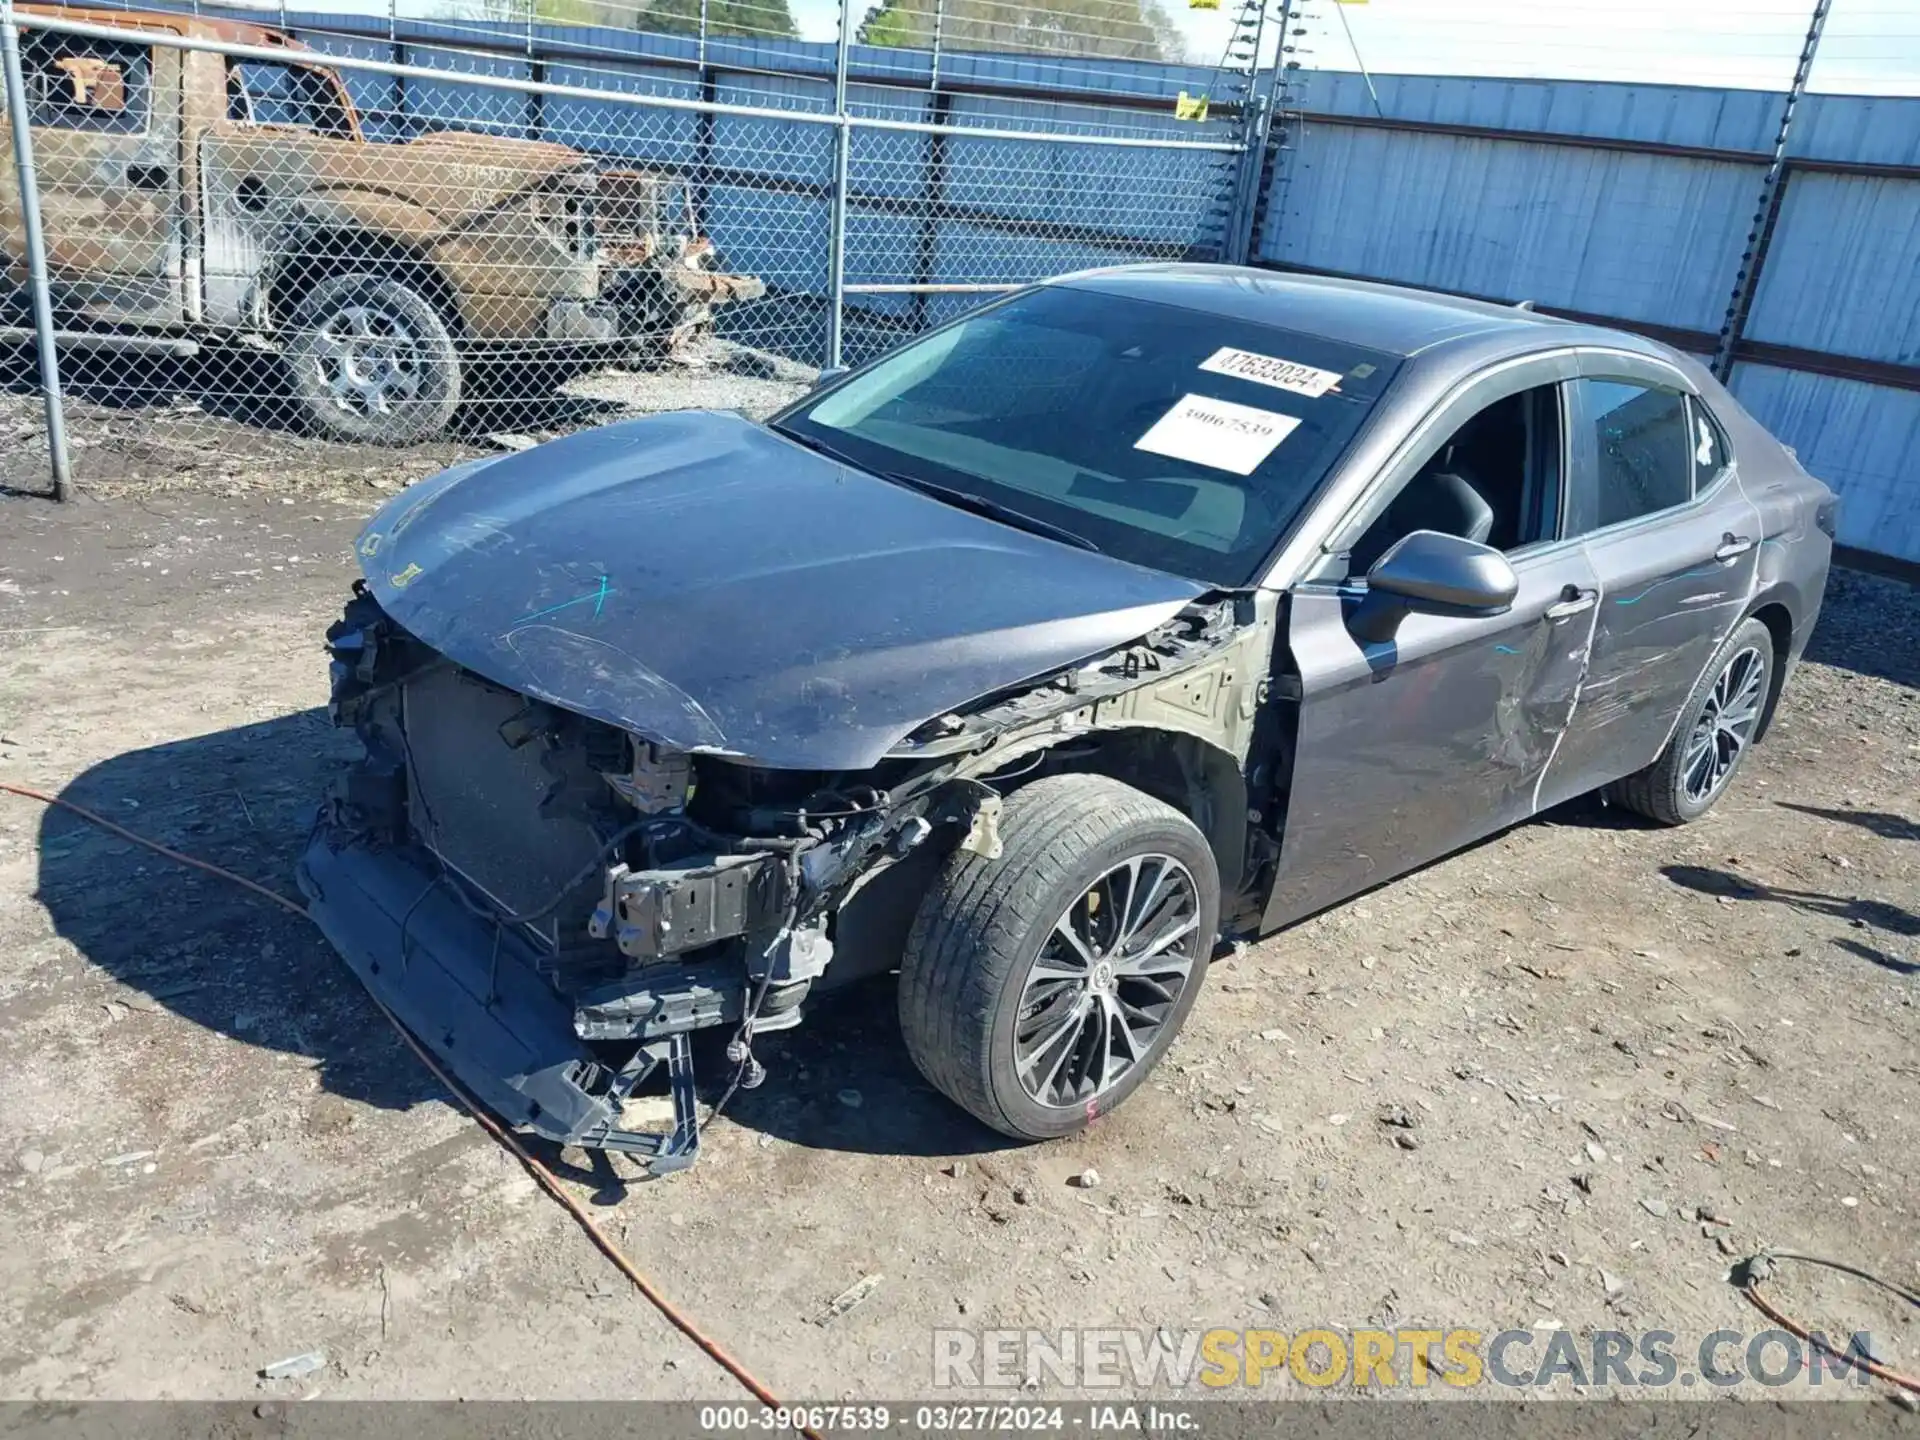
pixel 290 96
pixel 1168 437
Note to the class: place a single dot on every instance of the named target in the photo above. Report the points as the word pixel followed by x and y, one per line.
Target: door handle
pixel 1732 546
pixel 1577 601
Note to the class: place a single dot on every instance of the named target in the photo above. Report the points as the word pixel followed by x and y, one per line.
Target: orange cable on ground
pixel 546 1178
pixel 1750 1287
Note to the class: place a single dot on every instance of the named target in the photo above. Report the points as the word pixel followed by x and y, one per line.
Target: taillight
pixel 568 216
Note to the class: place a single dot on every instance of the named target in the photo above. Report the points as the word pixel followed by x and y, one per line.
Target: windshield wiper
pixel 992 509
pixel 959 499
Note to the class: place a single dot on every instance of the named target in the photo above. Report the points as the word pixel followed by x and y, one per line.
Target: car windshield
pixel 1169 437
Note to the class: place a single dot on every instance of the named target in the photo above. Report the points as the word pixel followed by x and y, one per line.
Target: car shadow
pixel 1882 823
pixel 842 1080
pixel 1876 915
pixel 199 946
pixel 205 950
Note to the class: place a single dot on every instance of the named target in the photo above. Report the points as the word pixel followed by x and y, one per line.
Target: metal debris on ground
pixel 295 1366
pixel 848 1298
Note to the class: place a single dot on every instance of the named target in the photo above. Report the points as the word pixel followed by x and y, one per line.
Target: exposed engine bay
pixel 554 904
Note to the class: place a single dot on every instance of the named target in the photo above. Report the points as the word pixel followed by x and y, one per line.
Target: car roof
pixel 1393 319
pixel 234 32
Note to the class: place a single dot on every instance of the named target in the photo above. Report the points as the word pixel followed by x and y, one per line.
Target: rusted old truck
pixel 197 198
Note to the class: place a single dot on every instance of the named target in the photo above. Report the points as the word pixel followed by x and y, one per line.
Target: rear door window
pixel 291 96
pixel 1639 450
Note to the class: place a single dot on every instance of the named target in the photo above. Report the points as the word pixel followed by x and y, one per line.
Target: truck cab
pixel 236 198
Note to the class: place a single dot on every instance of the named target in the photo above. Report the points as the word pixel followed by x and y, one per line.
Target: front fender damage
pixel 553 905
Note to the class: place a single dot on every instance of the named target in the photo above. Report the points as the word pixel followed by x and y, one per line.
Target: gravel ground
pixel 213 1155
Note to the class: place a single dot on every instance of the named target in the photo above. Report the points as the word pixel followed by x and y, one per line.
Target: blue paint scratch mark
pixel 1684 575
pixel 1506 650
pixel 598 597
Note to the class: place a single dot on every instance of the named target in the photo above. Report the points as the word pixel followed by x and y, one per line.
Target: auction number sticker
pixel 1289 375
pixel 1217 433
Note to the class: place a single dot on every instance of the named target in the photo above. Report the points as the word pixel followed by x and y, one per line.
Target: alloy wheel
pixel 1725 728
pixel 369 358
pixel 1106 981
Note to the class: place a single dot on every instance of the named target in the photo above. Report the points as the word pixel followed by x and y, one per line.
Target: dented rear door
pixel 1674 579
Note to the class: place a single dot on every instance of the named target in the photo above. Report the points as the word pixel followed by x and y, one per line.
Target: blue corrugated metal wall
pixel 1625 202
pixel 767 208
pixel 1408 191
pixel 1008 210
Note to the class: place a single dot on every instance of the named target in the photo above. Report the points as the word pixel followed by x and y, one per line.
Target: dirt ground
pixel 213 1153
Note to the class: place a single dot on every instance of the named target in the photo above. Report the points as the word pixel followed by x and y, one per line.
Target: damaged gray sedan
pixel 1143 608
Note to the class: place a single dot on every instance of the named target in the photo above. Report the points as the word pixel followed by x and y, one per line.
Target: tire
pixel 372 362
pixel 1670 791
pixel 987 926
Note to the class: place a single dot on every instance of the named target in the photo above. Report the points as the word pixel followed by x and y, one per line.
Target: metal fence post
pixel 939 18
pixel 1773 189
pixel 837 223
pixel 43 331
pixel 1256 113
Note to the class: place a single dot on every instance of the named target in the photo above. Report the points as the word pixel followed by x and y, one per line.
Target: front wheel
pixel 372 362
pixel 1717 727
pixel 1038 990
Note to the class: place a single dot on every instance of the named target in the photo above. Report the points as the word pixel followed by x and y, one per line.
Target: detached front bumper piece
pixel 710 287
pixel 582 322
pixel 468 991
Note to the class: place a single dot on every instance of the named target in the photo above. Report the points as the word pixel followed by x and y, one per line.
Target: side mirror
pixel 1435 574
pixel 830 374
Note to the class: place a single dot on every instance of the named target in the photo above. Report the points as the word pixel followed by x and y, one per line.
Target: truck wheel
pixel 372 361
pixel 1716 729
pixel 1039 989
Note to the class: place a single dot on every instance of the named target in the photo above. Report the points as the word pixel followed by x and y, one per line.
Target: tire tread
pixel 1654 792
pixel 977 916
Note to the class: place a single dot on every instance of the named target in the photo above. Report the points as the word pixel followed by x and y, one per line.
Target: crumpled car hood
pixel 707 584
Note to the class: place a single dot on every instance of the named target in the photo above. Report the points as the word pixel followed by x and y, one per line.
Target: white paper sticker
pixel 1217 433
pixel 1288 375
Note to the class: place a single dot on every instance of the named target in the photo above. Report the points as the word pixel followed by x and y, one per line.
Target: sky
pixel 1870 46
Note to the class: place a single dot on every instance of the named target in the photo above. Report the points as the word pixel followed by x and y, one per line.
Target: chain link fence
pixel 380 232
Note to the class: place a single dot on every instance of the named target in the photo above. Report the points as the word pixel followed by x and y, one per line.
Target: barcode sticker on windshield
pixel 1288 375
pixel 1217 433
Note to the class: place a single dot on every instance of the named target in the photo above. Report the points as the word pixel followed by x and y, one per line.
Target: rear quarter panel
pixel 1796 549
